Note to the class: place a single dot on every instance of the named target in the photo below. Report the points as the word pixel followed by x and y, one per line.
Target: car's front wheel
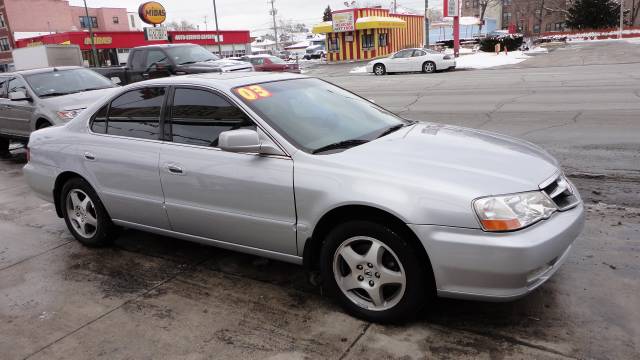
pixel 379 69
pixel 373 272
pixel 84 214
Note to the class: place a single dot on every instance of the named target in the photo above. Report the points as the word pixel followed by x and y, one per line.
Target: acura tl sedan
pixel 389 212
pixel 412 60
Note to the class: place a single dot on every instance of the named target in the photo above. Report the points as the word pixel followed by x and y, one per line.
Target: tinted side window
pixel 403 54
pixel 3 87
pixel 17 84
pixel 137 59
pixel 155 57
pixel 99 124
pixel 199 116
pixel 136 113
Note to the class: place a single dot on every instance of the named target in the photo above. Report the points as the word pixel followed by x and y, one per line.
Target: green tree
pixel 593 14
pixel 327 16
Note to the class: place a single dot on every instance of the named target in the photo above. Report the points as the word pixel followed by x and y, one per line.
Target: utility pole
pixel 426 24
pixel 93 44
pixel 273 13
pixel 395 6
pixel 621 18
pixel 215 15
pixel 206 27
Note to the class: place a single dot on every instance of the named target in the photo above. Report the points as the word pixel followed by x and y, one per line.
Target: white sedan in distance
pixel 412 60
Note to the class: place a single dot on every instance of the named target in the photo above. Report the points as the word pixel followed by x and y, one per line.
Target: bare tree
pixel 183 25
pixel 484 4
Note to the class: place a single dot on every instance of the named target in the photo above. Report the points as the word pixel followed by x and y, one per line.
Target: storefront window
pixel 382 41
pixel 367 41
pixel 333 45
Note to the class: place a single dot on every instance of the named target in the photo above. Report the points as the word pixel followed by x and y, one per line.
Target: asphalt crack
pixel 355 341
pixel 573 120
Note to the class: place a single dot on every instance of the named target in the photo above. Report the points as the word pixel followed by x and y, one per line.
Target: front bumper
pixel 473 264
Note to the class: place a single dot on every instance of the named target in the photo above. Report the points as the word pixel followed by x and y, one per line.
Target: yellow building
pixel 367 33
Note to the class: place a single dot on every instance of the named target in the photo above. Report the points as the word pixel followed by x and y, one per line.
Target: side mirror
pixel 247 141
pixel 18 96
pixel 115 80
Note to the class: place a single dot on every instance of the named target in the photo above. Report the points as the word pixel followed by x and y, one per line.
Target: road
pixel 155 297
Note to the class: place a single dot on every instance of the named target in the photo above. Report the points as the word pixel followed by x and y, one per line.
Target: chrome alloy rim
pixel 369 273
pixel 379 70
pixel 428 67
pixel 82 214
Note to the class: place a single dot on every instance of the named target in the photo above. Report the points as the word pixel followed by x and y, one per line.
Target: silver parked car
pixel 292 168
pixel 35 99
pixel 412 60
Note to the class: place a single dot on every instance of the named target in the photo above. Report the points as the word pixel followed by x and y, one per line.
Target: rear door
pixel 122 157
pixel 244 199
pixel 19 112
pixel 417 59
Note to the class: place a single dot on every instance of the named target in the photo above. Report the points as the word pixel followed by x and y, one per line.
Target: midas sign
pixel 152 13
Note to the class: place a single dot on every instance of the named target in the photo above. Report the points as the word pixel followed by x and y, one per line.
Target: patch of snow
pixel 536 51
pixel 358 70
pixel 592 35
pixel 484 60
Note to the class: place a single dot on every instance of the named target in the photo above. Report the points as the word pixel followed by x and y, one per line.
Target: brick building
pixel 6 39
pixel 26 18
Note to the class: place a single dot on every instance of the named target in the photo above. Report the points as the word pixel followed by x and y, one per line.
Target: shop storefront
pixel 113 47
pixel 367 33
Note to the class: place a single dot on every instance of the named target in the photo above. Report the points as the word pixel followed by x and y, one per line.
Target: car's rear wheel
pixel 373 272
pixel 429 67
pixel 379 69
pixel 84 214
pixel 43 124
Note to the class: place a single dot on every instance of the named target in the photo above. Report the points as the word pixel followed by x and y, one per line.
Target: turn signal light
pixel 501 225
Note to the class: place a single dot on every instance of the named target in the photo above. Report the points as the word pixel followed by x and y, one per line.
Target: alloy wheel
pixel 82 213
pixel 429 67
pixel 379 70
pixel 369 273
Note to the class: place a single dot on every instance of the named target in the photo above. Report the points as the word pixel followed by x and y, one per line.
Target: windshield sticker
pixel 253 92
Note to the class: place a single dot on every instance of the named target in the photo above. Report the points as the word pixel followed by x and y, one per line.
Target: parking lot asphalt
pixel 156 297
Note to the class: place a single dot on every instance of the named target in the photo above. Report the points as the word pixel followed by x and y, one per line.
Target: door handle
pixel 175 169
pixel 89 156
pixel 145 75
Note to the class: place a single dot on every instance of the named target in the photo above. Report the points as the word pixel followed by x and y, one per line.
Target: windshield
pixel 64 82
pixel 312 114
pixel 190 54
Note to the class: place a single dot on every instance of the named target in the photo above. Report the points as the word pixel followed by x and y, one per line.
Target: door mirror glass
pixel 116 80
pixel 18 96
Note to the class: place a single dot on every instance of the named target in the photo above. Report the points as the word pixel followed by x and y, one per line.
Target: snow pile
pixel 592 35
pixel 536 51
pixel 358 70
pixel 484 60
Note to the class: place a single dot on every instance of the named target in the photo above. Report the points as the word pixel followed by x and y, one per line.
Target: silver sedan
pixel 412 60
pixel 389 212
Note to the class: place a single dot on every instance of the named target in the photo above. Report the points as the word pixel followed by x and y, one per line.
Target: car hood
pixel 465 162
pixel 77 101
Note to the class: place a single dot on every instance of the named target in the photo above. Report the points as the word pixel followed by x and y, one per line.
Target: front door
pixel 244 199
pixel 122 157
pixel 401 61
pixel 17 113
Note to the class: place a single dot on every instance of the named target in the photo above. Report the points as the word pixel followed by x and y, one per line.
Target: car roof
pixel 163 46
pixel 259 56
pixel 42 70
pixel 223 81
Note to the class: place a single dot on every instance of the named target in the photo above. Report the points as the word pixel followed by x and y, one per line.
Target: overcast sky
pixel 249 14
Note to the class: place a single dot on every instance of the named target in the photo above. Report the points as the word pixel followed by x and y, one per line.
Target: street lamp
pixel 215 15
pixel 93 45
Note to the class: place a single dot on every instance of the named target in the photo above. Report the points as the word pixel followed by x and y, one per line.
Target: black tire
pixel 4 148
pixel 105 230
pixel 429 67
pixel 379 69
pixel 43 125
pixel 418 284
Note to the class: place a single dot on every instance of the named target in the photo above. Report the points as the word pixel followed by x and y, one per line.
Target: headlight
pixel 69 114
pixel 512 212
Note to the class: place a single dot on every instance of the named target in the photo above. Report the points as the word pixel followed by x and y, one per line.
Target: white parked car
pixel 412 60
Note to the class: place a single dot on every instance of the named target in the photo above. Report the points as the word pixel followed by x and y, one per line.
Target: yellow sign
pixel 99 40
pixel 253 92
pixel 35 43
pixel 152 13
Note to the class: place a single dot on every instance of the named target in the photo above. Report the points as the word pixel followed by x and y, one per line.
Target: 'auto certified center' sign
pixel 152 13
pixel 343 22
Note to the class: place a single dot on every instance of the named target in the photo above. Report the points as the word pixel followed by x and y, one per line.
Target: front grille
pixel 561 191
